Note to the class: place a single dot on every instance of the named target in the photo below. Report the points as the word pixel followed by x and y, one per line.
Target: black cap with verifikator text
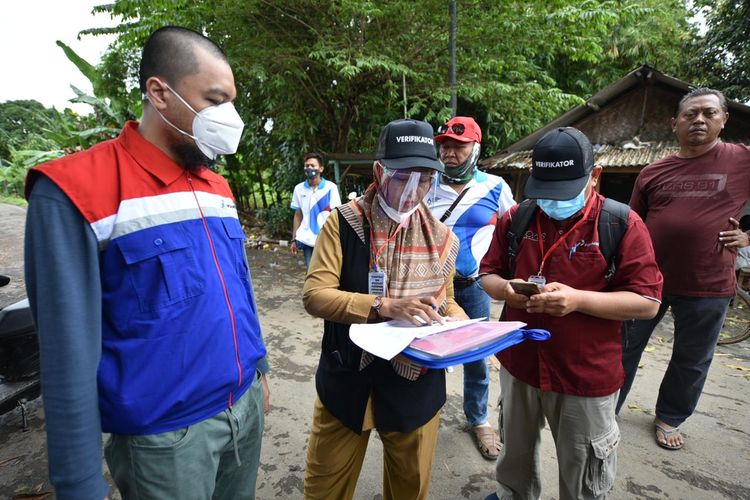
pixel 408 144
pixel 561 163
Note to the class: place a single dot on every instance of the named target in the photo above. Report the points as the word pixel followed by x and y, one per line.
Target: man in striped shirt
pixel 470 202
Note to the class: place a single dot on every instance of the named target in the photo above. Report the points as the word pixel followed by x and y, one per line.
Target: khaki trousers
pixel 217 458
pixel 585 433
pixel 335 455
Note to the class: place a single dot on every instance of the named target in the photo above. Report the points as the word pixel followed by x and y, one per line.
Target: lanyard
pixel 376 251
pixel 561 238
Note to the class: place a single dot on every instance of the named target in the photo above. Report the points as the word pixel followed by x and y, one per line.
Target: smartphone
pixel 525 287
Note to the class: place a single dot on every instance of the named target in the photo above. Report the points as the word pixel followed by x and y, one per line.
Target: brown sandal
pixel 487 441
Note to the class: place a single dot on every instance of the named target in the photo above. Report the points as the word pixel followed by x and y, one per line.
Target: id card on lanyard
pixel 377 281
pixel 538 280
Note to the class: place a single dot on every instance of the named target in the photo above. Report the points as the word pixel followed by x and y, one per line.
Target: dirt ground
pixel 713 464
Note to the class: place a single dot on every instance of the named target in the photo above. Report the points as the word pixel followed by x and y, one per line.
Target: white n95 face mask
pixel 216 129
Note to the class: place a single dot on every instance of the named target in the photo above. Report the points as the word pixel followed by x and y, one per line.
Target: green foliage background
pixel 327 75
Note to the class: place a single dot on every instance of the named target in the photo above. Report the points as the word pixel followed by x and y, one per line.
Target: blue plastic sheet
pixel 513 338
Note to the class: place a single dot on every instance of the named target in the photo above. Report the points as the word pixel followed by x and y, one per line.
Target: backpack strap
pixel 454 204
pixel 516 231
pixel 613 222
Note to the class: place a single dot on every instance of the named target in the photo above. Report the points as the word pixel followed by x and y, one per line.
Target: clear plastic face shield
pixel 401 191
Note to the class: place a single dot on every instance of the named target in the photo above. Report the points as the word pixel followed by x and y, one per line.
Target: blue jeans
pixel 306 251
pixel 476 304
pixel 697 324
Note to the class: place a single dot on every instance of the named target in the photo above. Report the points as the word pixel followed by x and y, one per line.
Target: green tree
pixel 21 124
pixel 627 33
pixel 23 142
pixel 327 75
pixel 31 134
pixel 723 61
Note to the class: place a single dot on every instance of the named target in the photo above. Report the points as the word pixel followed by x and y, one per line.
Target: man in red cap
pixel 469 202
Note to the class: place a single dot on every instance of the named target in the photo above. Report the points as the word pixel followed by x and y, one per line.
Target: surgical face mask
pixel 461 174
pixel 401 191
pixel 562 209
pixel 216 129
pixel 311 173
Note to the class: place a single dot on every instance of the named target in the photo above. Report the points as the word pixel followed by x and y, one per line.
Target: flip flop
pixel 487 441
pixel 667 433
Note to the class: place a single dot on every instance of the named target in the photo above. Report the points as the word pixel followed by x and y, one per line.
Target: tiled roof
pixel 643 76
pixel 608 156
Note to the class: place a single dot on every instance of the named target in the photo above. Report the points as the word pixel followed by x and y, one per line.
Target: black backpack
pixel 613 221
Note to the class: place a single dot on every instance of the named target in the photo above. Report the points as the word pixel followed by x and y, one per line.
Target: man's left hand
pixel 556 300
pixel 736 238
pixel 266 394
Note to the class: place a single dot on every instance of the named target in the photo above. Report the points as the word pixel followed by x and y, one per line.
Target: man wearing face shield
pixel 571 380
pixel 312 202
pixel 142 298
pixel 381 256
pixel 469 202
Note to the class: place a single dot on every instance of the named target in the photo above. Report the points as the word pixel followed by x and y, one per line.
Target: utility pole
pixel 452 51
pixel 403 86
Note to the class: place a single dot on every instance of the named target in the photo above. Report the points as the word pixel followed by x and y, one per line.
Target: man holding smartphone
pixel 572 379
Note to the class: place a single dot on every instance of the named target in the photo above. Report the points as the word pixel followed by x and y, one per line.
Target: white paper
pixel 386 340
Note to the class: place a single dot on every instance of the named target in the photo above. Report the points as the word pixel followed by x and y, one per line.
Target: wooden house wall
pixel 645 111
pixel 737 128
pixel 624 118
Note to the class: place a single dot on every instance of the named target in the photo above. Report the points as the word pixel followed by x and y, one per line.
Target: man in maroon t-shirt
pixel 690 202
pixel 572 379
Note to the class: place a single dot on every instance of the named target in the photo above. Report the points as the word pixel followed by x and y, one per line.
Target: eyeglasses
pixel 456 128
pixel 425 175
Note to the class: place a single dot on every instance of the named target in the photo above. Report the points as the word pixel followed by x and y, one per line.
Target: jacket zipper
pixel 224 287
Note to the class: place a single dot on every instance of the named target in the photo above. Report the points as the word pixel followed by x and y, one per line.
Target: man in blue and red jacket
pixel 141 293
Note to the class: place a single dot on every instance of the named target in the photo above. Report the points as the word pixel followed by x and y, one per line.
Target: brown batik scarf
pixel 416 262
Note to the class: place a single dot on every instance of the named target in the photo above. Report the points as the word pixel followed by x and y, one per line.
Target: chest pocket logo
pixel 161 266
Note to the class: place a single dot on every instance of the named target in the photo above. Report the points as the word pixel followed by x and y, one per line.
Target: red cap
pixel 468 128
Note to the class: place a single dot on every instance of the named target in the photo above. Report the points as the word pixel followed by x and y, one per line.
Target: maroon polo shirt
pixel 583 356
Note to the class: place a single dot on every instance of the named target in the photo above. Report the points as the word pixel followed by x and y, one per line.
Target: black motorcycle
pixel 19 357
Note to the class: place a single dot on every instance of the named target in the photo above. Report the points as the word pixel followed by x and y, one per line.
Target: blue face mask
pixel 562 209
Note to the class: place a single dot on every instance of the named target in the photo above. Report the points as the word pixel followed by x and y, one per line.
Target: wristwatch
pixel 376 305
